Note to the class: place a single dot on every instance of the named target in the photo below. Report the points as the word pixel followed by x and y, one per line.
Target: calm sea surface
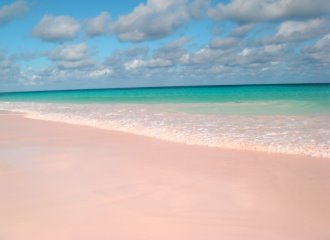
pixel 276 118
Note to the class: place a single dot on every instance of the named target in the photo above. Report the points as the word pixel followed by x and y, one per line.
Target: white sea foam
pixel 309 135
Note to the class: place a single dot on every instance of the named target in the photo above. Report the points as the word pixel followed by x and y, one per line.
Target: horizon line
pixel 172 86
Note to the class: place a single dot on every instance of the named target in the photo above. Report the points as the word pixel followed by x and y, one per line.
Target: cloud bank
pixel 174 43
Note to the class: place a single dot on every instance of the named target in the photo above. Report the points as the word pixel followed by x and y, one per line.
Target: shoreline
pixel 64 181
pixel 290 146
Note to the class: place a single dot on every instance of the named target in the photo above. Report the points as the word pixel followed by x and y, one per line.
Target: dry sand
pixel 68 182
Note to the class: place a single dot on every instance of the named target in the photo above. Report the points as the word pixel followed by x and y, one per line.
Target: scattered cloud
pixel 198 8
pixel 70 63
pixel 174 58
pixel 224 43
pixel 136 63
pixel 56 28
pixel 121 59
pixel 242 30
pixel 100 72
pixel 292 31
pixel 10 12
pixel 243 11
pixel 10 73
pixel 7 66
pixel 100 25
pixel 27 56
pixel 268 54
pixel 252 40
pixel 159 63
pixel 173 50
pixel 69 52
pixel 72 56
pixel 153 20
pixel 77 61
pixel 165 16
pixel 53 74
pixel 319 52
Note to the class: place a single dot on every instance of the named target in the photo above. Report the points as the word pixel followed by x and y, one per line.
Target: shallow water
pixel 287 119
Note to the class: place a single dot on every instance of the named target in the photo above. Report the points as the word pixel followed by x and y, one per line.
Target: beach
pixel 165 120
pixel 65 181
pixel 290 119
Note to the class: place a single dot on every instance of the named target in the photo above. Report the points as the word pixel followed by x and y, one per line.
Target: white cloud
pixel 70 76
pixel 323 43
pixel 261 10
pixel 197 8
pixel 159 63
pixel 301 30
pixel 60 28
pixel 99 25
pixel 176 44
pixel 54 74
pixel 153 20
pixel 242 30
pixel 173 50
pixel 217 69
pixel 79 64
pixel 10 73
pixel 7 67
pixel 136 63
pixel 74 61
pixel 297 31
pixel 9 12
pixel 5 63
pixel 319 51
pixel 184 59
pixel 245 52
pixel 260 56
pixel 100 73
pixel 224 43
pixel 120 60
pixel 167 55
pixel 232 59
pixel 202 56
pixel 72 56
pixel 69 52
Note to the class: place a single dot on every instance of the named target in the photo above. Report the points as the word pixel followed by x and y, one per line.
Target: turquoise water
pixel 285 99
pixel 276 118
pixel 310 92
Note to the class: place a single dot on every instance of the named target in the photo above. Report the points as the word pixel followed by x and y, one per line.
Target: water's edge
pixel 278 134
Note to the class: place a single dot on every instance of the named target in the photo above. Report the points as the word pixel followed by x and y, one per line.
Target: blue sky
pixel 130 43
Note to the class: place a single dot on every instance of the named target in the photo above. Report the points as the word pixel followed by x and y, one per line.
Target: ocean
pixel 292 119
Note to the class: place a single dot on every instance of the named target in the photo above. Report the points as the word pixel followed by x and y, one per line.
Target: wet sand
pixel 69 182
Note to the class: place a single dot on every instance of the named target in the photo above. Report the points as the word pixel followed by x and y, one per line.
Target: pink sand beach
pixel 68 182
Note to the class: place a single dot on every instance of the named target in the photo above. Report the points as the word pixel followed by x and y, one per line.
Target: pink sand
pixel 67 182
